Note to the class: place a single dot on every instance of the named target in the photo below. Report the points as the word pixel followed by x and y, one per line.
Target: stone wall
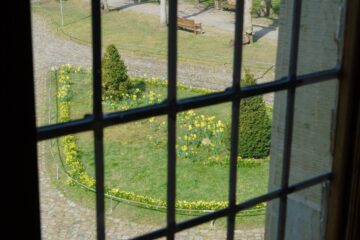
pixel 314 108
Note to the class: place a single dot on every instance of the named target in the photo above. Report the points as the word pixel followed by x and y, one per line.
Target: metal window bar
pixel 171 100
pixel 98 118
pixel 289 117
pixel 235 112
pixel 98 121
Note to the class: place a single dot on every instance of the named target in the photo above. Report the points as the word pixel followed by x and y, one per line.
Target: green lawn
pixel 139 34
pixel 134 163
pixel 135 156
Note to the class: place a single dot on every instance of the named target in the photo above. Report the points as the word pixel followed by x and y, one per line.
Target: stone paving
pixel 62 218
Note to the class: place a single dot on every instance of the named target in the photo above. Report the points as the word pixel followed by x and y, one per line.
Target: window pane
pixel 261 26
pixel 306 213
pixel 320 35
pixel 61 58
pixel 250 224
pixel 254 147
pixel 134 43
pixel 315 113
pixel 205 46
pixel 320 40
pixel 67 198
pixel 135 177
pixel 202 148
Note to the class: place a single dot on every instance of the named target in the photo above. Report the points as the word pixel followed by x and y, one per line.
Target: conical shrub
pixel 255 125
pixel 114 73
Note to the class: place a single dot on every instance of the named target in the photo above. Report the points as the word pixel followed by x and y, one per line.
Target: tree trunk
pixel 105 5
pixel 265 8
pixel 163 13
pixel 248 29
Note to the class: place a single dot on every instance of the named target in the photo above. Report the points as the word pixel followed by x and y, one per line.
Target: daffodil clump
pixel 200 135
pixel 198 130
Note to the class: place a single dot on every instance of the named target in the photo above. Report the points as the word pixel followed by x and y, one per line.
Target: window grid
pixel 98 121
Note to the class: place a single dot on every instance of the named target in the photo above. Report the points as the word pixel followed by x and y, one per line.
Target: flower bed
pixel 198 130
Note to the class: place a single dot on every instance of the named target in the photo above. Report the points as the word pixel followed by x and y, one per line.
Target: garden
pixel 136 153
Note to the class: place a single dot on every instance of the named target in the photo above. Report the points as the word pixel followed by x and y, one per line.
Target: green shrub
pixel 255 125
pixel 115 78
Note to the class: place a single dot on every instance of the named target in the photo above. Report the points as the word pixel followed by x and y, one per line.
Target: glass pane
pixel 321 35
pixel 315 113
pixel 306 213
pixel 135 177
pixel 134 43
pixel 254 147
pixel 205 48
pixel 67 198
pixel 202 160
pixel 261 27
pixel 61 57
pixel 250 224
pixel 211 230
pixel 320 41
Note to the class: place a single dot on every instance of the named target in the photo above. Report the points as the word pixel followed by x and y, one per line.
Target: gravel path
pixel 208 16
pixel 62 218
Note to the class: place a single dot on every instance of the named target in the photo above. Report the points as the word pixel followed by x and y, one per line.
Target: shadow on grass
pixel 264 30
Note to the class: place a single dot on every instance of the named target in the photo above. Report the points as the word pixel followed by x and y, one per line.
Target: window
pixel 98 121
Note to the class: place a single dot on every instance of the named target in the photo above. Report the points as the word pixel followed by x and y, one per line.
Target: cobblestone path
pixel 61 217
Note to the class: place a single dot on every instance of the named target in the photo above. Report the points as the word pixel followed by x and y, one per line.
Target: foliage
pixel 254 125
pixel 115 78
pixel 200 135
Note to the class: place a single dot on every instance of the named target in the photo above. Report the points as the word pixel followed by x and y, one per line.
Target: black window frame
pixel 97 121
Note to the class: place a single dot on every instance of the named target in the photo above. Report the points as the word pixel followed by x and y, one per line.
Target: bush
pixel 255 125
pixel 115 78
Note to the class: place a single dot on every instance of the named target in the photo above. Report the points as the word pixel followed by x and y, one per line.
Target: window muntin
pixel 98 121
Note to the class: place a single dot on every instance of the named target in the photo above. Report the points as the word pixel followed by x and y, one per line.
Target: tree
pixel 254 125
pixel 248 29
pixel 114 72
pixel 163 12
pixel 265 8
pixel 105 5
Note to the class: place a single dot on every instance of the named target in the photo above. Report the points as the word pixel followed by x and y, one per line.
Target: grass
pixel 135 163
pixel 139 34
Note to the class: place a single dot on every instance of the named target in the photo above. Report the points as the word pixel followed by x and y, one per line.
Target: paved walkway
pixel 208 16
pixel 61 217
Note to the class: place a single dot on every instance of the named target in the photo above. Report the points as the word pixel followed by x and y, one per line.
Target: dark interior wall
pixel 19 180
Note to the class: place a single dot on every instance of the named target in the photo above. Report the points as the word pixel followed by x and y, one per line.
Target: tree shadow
pixel 265 30
pixel 129 5
pixel 197 13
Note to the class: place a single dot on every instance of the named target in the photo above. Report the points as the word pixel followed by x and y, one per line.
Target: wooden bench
pixel 228 7
pixel 189 24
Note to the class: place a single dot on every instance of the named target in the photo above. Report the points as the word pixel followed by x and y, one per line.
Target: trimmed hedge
pixel 255 125
pixel 114 72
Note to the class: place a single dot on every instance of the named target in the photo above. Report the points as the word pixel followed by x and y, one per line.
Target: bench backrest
pixel 185 22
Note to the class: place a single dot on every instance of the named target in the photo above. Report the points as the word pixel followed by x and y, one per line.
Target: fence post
pixel 61 12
